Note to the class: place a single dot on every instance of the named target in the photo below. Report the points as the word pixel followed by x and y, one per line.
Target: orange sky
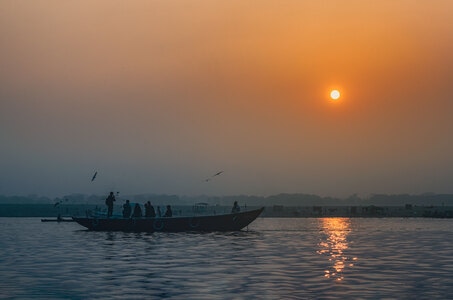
pixel 157 95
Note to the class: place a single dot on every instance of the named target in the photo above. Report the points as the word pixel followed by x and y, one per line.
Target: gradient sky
pixel 159 95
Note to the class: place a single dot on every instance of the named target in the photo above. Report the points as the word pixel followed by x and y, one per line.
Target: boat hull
pixel 227 222
pixel 57 220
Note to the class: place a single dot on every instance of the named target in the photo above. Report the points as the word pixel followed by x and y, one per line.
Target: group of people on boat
pixel 150 212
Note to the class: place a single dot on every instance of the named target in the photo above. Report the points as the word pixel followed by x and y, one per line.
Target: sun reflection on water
pixel 333 244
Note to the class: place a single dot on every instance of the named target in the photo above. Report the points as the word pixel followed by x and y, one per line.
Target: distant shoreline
pixel 275 211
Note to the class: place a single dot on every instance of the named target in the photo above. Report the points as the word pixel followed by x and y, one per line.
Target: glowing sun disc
pixel 334 94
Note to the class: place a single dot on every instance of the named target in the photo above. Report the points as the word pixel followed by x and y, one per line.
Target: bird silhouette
pixel 216 174
pixel 94 176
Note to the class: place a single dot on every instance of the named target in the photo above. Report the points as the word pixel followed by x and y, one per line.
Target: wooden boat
pixel 57 220
pixel 224 222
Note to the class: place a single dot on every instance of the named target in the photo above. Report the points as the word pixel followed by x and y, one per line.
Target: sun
pixel 335 94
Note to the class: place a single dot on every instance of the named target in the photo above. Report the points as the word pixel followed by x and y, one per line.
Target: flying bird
pixel 216 174
pixel 94 176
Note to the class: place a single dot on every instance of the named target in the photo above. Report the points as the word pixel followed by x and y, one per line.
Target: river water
pixel 291 258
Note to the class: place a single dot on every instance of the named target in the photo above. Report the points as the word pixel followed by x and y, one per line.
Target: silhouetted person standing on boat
pixel 149 210
pixel 137 211
pixel 235 208
pixel 168 213
pixel 159 213
pixel 127 209
pixel 109 202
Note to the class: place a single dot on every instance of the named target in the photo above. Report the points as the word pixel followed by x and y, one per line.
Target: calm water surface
pixel 328 258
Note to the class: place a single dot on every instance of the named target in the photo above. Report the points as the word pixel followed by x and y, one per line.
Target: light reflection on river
pixel 276 259
pixel 334 245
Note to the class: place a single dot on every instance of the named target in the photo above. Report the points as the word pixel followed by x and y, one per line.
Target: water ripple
pixel 276 259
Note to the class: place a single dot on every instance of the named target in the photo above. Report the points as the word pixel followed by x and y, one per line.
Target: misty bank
pixel 408 210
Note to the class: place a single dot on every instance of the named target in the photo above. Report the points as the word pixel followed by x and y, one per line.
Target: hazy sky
pixel 159 95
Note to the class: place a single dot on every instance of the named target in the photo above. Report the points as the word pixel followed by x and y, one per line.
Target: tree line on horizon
pixel 296 199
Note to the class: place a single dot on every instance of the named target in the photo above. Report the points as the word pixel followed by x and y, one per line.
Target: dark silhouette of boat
pixel 224 222
pixel 57 220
